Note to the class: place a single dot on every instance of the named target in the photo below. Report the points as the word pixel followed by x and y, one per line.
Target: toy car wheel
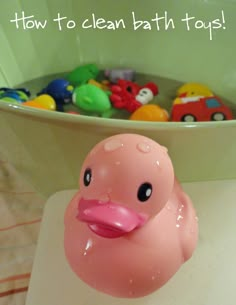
pixel 218 116
pixel 188 118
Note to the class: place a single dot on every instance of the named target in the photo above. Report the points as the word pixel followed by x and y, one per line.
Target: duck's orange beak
pixel 110 220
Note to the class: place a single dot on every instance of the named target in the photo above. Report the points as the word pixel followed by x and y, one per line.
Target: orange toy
pixel 33 104
pixel 150 112
pixel 104 85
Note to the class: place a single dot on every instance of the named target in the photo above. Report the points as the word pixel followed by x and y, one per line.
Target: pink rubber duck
pixel 130 226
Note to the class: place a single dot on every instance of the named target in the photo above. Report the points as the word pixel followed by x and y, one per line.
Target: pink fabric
pixel 20 217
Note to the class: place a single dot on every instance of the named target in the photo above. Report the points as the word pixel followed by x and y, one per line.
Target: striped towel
pixel 20 216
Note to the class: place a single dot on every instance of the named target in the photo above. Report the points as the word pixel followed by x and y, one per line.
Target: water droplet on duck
pixel 179 217
pixel 165 150
pixel 157 163
pixel 117 163
pixel 168 208
pixel 104 198
pixel 113 145
pixel 131 281
pixel 88 246
pixel 144 147
pixel 153 277
pixel 86 212
pixel 196 218
pixel 181 208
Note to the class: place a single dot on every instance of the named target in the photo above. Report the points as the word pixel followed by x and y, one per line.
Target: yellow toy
pixel 103 85
pixel 43 101
pixel 46 101
pixel 151 113
pixel 192 92
pixel 194 89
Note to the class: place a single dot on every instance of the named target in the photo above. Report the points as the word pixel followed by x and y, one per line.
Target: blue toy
pixel 19 95
pixel 61 91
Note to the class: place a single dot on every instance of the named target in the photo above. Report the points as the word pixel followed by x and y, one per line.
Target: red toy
pixel 206 109
pixel 72 112
pixel 130 96
pixel 123 95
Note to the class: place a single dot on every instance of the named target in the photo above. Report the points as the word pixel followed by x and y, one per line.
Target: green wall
pixel 177 54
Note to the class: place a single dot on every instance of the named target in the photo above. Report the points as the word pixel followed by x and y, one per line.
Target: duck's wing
pixel 186 221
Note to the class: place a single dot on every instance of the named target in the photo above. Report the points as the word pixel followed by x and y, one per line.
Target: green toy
pixel 10 100
pixel 93 100
pixel 82 74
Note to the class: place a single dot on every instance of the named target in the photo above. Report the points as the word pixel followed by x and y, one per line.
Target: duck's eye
pixel 144 192
pixel 87 176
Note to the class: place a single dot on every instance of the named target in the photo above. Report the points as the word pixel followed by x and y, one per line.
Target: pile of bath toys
pixel 106 93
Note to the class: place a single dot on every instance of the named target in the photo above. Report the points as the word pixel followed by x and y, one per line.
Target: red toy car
pixel 206 109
